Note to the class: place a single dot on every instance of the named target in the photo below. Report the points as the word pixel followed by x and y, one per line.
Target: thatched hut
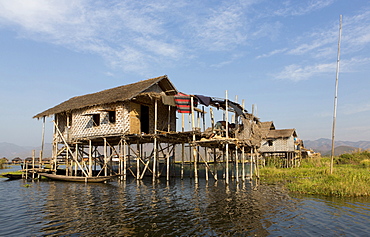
pixel 127 109
pixel 17 160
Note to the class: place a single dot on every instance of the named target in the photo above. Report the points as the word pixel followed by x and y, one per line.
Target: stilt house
pixel 127 109
pixel 93 131
pixel 283 143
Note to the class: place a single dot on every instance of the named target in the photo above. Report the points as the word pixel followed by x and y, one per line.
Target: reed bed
pixel 351 176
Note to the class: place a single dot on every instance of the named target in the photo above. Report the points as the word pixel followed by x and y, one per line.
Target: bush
pixel 365 163
pixel 354 158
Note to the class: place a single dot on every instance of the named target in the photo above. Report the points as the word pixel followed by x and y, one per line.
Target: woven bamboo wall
pixel 82 122
pixel 127 119
pixel 279 145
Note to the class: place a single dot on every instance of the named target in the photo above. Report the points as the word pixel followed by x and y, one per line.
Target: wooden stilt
pixel 124 160
pixel 206 166
pixel 243 164
pixel 138 161
pixel 236 165
pixel 155 140
pixel 194 145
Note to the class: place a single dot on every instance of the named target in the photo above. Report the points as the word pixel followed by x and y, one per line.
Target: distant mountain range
pixel 322 145
pixel 10 150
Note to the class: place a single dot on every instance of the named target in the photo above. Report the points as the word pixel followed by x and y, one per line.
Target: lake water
pixel 177 208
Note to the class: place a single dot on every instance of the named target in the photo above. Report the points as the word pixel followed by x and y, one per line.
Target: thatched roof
pixel 117 94
pixel 281 133
pixel 266 127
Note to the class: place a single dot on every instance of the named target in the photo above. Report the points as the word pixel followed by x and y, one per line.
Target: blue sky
pixel 278 55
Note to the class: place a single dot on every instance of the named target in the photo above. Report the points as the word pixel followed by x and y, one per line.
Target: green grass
pixel 351 179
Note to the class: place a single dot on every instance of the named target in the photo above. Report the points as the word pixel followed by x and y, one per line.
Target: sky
pixel 280 56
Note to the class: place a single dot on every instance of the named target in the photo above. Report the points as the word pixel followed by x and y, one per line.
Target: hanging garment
pixel 168 99
pixel 205 100
pixel 183 103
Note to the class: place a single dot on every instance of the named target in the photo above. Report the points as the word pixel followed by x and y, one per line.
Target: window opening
pixel 96 120
pixel 112 116
pixel 69 124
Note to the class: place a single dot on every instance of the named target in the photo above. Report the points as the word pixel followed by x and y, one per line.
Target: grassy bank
pixel 351 176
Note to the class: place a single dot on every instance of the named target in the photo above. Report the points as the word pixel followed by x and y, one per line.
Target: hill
pixel 10 150
pixel 323 146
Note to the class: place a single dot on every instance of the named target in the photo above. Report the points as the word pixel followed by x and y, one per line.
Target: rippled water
pixel 177 208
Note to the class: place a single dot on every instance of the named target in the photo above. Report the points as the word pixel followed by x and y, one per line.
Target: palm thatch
pixel 281 133
pixel 266 127
pixel 117 94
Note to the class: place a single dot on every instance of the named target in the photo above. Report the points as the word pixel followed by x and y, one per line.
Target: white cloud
pixel 295 72
pixel 220 28
pixel 277 51
pixel 296 8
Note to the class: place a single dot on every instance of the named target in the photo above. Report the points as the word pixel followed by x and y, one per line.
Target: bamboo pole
pixel 206 157
pixel 42 139
pixel 33 164
pixel 335 98
pixel 215 163
pixel 227 136
pixel 90 159
pixel 76 155
pixel 236 164
pixel 155 139
pixel 243 164
pixel 251 165
pixel 105 158
pixel 124 160
pixel 138 157
pixel 194 145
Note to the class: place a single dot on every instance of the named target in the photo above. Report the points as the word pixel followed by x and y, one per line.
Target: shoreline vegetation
pixel 351 176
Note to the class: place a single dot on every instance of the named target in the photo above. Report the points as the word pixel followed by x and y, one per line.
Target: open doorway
pixel 144 119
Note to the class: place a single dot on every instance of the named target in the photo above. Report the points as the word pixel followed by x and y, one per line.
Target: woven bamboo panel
pixel 83 125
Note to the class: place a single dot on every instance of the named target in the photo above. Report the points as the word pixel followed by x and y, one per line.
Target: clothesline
pixel 183 102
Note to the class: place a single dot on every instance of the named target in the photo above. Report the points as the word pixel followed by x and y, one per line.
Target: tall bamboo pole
pixel 335 97
pixel 227 136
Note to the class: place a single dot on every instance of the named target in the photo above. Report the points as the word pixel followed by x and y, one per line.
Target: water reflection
pixel 176 208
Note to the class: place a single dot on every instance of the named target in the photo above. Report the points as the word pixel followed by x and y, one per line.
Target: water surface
pixel 175 208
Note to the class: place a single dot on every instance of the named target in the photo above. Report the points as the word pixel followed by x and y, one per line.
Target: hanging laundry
pixel 168 99
pixel 205 100
pixel 183 103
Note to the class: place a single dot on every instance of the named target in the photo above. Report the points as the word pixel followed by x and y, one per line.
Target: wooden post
pixel 236 164
pixel 76 154
pixel 194 145
pixel 124 160
pixel 138 157
pixel 206 157
pixel 155 140
pixel 90 159
pixel 33 164
pixel 105 158
pixel 215 163
pixel 251 164
pixel 227 163
pixel 243 164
